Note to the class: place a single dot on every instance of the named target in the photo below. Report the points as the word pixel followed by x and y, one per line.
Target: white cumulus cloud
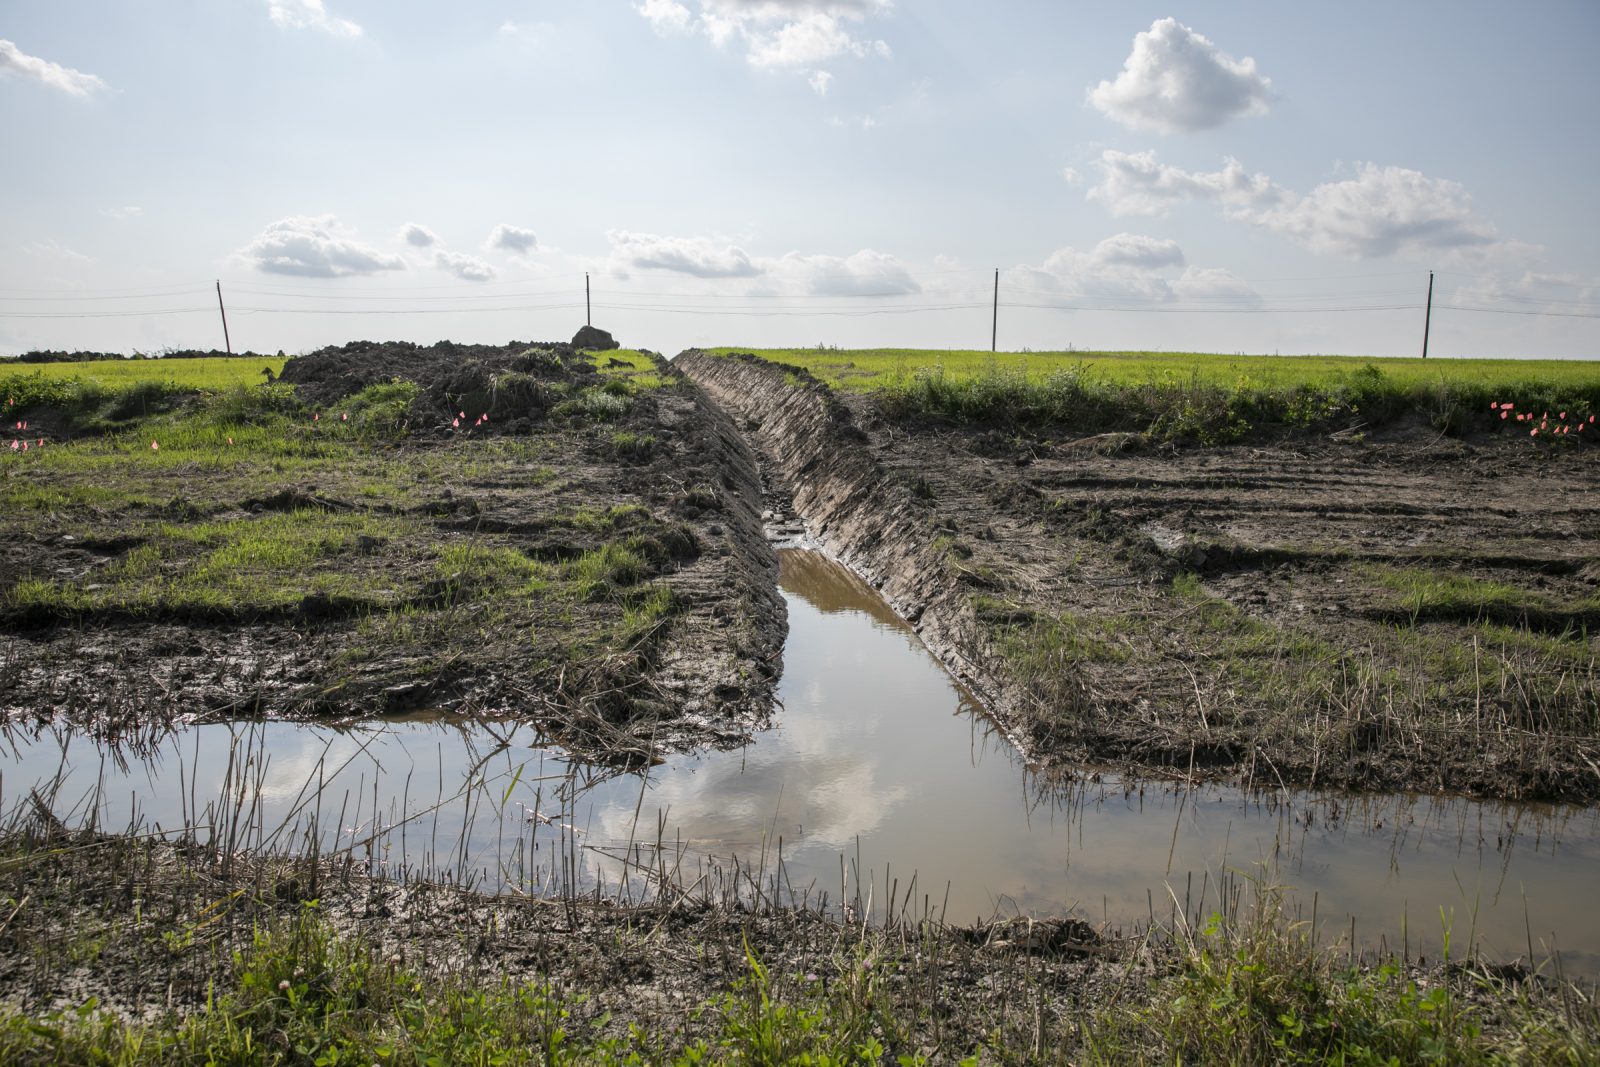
pixel 310 15
pixel 1129 268
pixel 1136 183
pixel 418 236
pixel 315 246
pixel 1382 211
pixel 467 268
pixel 16 63
pixel 667 16
pixel 701 257
pixel 513 239
pixel 798 35
pixel 1177 81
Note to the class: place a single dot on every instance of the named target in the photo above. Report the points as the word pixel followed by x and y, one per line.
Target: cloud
pixel 866 273
pixel 418 236
pixel 318 246
pixel 1382 211
pixel 1134 252
pixel 701 257
pixel 513 239
pixel 467 268
pixel 310 15
pixel 1561 293
pixel 14 62
pixel 1129 268
pixel 799 35
pixel 667 16
pixel 1177 81
pixel 1136 183
pixel 130 211
pixel 1214 284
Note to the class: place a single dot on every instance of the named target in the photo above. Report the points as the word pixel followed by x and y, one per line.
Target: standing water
pixel 880 770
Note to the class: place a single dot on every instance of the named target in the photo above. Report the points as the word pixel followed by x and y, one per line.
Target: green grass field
pixel 1206 397
pixel 858 370
pixel 200 375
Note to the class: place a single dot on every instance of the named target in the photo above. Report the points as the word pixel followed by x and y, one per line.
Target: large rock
pixel 593 337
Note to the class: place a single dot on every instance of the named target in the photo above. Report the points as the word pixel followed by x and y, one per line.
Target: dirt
pixel 1236 611
pixel 148 928
pixel 545 484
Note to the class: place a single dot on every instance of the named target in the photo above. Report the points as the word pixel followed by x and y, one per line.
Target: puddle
pixel 879 770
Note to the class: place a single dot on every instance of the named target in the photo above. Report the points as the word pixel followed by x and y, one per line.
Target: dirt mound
pixel 514 384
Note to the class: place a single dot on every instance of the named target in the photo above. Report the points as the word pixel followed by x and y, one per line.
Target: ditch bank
pixel 885 529
pixel 1369 615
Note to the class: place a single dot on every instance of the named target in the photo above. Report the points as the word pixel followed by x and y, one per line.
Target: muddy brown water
pixel 879 770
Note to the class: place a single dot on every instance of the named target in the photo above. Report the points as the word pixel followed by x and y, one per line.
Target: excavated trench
pixel 883 775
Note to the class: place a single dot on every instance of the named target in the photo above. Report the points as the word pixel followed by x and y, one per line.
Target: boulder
pixel 593 337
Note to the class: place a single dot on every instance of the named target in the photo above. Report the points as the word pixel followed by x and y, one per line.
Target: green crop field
pixel 869 368
pixel 208 375
pixel 1212 399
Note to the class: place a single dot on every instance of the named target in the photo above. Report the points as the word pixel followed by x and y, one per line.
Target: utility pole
pixel 588 316
pixel 224 313
pixel 994 326
pixel 1427 318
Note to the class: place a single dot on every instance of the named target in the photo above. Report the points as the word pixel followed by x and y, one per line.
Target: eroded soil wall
pixel 877 524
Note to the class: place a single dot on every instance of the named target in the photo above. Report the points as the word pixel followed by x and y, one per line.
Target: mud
pixel 543 483
pixel 149 929
pixel 1240 611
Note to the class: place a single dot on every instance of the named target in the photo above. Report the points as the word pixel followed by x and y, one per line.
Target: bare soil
pixel 1408 611
pixel 545 486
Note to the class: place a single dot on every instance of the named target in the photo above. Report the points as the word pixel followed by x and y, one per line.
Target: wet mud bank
pixel 519 531
pixel 1349 613
pixel 854 510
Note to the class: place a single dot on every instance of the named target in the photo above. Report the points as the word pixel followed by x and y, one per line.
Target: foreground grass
pixel 1251 990
pixel 1206 397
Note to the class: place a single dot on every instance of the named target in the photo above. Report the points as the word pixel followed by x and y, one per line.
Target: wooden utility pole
pixel 224 313
pixel 1427 318
pixel 994 325
pixel 588 316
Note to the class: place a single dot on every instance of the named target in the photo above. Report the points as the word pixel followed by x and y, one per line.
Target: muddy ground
pixel 589 557
pixel 1400 610
pixel 145 928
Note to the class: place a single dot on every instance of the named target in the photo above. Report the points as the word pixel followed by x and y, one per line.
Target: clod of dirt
pixel 593 337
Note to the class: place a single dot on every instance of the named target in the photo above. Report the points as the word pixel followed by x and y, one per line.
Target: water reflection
pixel 877 757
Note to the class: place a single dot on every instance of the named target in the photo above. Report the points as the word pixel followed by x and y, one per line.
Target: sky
pixel 1227 177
